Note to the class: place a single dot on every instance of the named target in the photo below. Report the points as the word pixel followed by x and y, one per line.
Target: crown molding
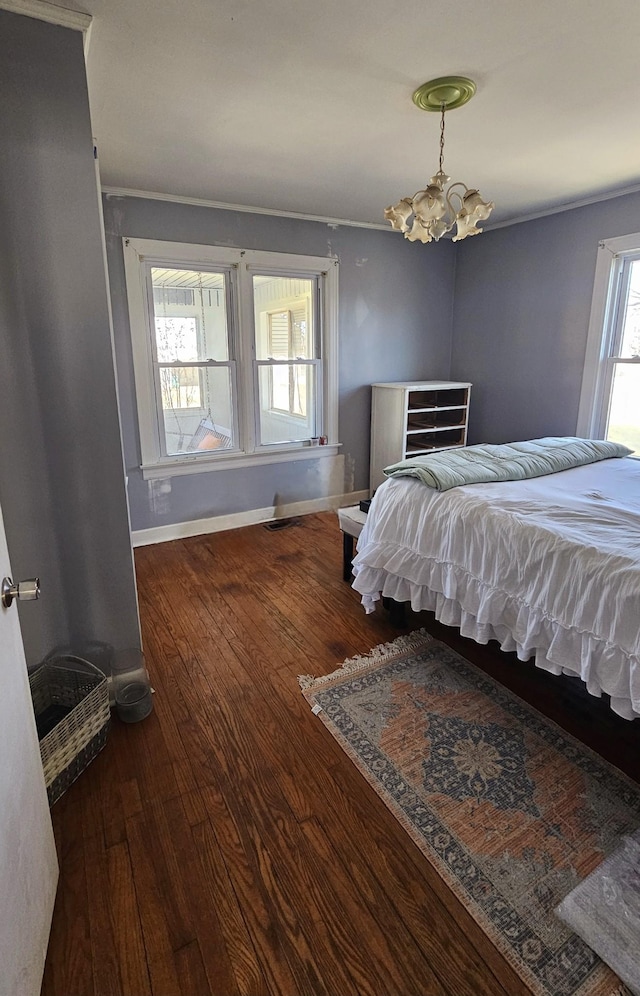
pixel 337 222
pixel 62 16
pixel 222 206
pixel 567 206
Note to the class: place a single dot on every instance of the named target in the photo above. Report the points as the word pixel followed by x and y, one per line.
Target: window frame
pixel 603 335
pixel 242 264
pixel 315 360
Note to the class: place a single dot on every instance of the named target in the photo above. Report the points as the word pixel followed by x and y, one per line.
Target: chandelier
pixel 437 208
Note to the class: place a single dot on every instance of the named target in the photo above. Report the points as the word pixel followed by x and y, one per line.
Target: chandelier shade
pixel 434 211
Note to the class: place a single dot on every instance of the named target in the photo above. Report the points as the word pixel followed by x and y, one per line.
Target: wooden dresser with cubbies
pixel 413 418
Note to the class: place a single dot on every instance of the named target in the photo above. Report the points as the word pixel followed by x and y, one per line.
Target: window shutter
pixel 279 334
pixel 300 346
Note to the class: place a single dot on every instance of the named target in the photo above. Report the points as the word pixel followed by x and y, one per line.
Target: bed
pixel 549 566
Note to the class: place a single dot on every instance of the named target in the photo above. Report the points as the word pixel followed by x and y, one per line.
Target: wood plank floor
pixel 226 845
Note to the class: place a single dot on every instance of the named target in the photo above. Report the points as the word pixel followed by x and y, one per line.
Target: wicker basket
pixel 71 703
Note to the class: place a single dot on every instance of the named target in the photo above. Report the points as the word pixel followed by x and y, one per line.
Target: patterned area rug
pixel 512 812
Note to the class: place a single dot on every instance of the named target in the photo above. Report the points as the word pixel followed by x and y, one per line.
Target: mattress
pixel 550 567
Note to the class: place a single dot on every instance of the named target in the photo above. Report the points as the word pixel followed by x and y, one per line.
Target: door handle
pixel 25 591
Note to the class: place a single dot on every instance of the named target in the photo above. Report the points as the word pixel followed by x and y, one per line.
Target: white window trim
pixel 592 411
pixel 154 464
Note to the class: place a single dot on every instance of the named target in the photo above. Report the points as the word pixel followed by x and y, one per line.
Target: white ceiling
pixel 305 105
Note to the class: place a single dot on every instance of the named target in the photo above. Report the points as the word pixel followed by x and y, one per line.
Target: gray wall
pixel 61 470
pixel 521 317
pixel 395 323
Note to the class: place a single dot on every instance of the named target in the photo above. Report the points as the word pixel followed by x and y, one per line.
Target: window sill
pixel 206 465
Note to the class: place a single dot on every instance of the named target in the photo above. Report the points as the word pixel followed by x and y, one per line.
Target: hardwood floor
pixel 226 845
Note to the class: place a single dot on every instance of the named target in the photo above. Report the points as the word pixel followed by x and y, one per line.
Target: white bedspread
pixel 549 567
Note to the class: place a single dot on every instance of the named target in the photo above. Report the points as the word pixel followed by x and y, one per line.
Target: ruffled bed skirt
pixel 484 614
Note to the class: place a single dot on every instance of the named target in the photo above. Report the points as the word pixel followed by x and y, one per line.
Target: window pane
pixel 630 345
pixel 624 411
pixel 190 315
pixel 197 409
pixel 287 402
pixel 176 339
pixel 284 314
pixel 181 387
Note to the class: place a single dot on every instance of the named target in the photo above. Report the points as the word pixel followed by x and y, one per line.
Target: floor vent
pixel 277 524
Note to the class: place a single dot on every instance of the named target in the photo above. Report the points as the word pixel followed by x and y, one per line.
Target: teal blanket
pixel 505 462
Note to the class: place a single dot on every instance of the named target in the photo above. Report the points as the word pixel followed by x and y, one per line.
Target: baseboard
pixel 219 523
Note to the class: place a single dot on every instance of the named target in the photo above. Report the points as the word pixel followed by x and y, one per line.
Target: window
pixel 610 399
pixel 288 361
pixel 235 355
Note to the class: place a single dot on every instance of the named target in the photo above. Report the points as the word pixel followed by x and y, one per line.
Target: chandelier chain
pixel 442 139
